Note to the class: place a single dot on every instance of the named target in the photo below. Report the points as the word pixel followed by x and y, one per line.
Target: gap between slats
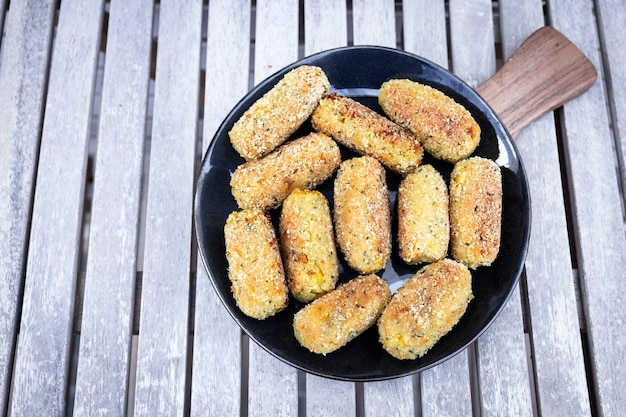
pixel 3 13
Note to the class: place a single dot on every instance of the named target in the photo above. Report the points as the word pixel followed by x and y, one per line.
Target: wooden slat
pixel 276 44
pixel 555 338
pixel 273 385
pixel 446 388
pixel 393 397
pixel 217 353
pixel 612 19
pixel 424 30
pixel 325 25
pixel 325 28
pixel 327 397
pixel 111 266
pixel 43 347
pixel 26 46
pixel 163 331
pixel 227 61
pixel 374 23
pixel 472 40
pixel 601 242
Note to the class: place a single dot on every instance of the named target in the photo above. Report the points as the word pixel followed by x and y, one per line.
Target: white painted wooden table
pixel 106 109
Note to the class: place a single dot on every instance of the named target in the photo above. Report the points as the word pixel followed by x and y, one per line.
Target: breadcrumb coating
pixel 307 244
pixel 423 218
pixel 475 211
pixel 364 131
pixel 425 308
pixel 362 214
pixel 336 318
pixel 444 127
pixel 255 267
pixel 279 113
pixel 302 163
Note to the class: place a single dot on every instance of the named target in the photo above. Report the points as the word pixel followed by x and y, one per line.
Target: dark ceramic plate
pixel 358 72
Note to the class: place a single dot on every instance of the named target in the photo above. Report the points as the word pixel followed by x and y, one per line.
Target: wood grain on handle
pixel 544 73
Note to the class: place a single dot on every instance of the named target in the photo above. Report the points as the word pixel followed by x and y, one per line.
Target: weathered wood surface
pixel 276 45
pixel 446 388
pixel 532 361
pixel 162 372
pixel 374 23
pixel 600 239
pixel 23 79
pixel 217 352
pixel 327 397
pixel 424 30
pixel 325 25
pixel 611 16
pixel 395 397
pixel 107 317
pixel 43 347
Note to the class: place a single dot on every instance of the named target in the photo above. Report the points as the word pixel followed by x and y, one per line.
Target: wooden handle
pixel 544 73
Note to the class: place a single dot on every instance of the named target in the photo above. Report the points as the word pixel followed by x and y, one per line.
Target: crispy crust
pixel 445 128
pixel 336 318
pixel 255 268
pixel 308 245
pixel 423 219
pixel 363 130
pixel 475 211
pixel 425 308
pixel 302 163
pixel 279 113
pixel 362 215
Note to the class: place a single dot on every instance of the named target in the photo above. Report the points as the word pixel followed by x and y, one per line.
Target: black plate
pixel 358 72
